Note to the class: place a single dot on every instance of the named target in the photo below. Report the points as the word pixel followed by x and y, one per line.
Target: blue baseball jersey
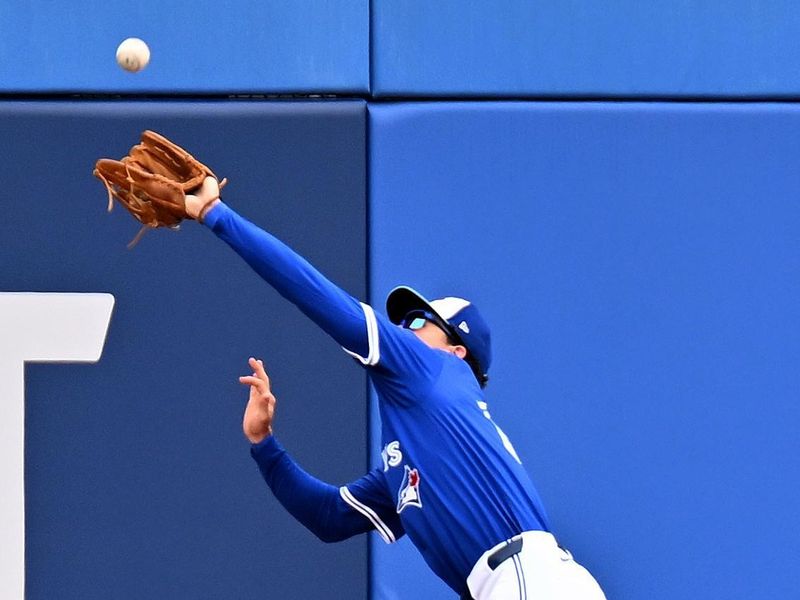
pixel 449 477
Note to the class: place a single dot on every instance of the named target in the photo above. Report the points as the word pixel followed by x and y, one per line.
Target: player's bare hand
pixel 204 198
pixel 257 422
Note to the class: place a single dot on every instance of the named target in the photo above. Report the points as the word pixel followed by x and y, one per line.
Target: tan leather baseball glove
pixel 152 181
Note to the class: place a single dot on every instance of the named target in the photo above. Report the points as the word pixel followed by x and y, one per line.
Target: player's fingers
pixel 253 381
pixel 258 369
pixel 253 365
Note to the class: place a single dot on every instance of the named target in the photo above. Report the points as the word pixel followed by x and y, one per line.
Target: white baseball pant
pixel 540 570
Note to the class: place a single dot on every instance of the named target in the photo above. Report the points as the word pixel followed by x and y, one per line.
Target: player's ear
pixel 459 350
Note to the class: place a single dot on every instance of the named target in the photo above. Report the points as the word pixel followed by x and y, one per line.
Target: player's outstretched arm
pixel 365 334
pixel 343 317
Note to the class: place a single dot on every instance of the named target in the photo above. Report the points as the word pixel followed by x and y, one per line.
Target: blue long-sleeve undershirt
pixel 330 307
pixel 316 504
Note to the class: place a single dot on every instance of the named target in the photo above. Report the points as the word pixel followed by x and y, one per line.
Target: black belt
pixel 497 558
pixel 503 554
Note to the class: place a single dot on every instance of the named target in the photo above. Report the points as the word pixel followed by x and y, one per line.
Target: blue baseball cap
pixel 465 321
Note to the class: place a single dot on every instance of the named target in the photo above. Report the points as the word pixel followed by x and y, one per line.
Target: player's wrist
pixel 261 442
pixel 206 208
pixel 257 438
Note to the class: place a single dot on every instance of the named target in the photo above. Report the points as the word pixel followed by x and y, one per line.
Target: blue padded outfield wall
pixel 638 265
pixel 627 48
pixel 449 48
pixel 139 480
pixel 636 258
pixel 197 46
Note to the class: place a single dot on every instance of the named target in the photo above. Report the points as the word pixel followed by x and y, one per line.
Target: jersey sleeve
pixel 369 497
pixel 340 315
pixel 320 507
pixel 367 336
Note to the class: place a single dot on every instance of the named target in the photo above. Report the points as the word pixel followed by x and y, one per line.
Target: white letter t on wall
pixel 35 328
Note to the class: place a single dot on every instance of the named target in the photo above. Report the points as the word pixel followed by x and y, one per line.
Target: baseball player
pixel 450 478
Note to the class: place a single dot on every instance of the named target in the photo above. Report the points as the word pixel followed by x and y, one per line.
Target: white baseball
pixel 133 55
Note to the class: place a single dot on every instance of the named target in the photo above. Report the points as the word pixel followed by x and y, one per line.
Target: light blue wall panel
pixel 243 46
pixel 638 264
pixel 584 48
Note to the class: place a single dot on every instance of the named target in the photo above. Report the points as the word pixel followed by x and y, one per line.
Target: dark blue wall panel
pixel 638 264
pixel 567 48
pixel 139 480
pixel 244 46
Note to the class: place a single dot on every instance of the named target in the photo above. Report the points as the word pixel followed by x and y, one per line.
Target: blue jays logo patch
pixel 409 490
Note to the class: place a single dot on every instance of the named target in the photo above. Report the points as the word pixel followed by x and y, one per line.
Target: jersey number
pixel 503 437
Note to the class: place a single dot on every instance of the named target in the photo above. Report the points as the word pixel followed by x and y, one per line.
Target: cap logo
pixel 463 326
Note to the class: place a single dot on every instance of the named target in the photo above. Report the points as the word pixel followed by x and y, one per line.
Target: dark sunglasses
pixel 416 319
